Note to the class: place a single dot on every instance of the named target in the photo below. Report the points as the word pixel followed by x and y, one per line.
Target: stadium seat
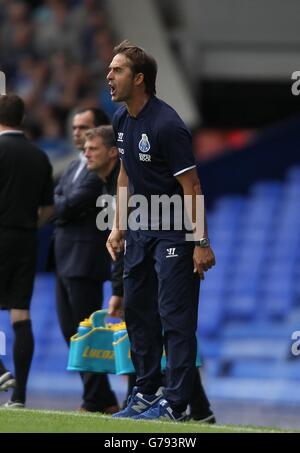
pixel 211 309
pixel 241 304
pixel 252 348
pixel 260 369
pixel 277 304
pixel 293 174
pixel 264 329
pixel 267 189
pixel 210 348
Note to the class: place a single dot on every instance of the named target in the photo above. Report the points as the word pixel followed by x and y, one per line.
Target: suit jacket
pixel 79 246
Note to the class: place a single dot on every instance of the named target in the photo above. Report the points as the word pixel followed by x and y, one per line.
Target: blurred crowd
pixel 55 55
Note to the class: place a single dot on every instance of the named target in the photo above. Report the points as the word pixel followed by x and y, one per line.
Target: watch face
pixel 204 242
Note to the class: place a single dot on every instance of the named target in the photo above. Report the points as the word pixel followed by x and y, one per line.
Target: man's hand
pixel 204 259
pixel 45 214
pixel 115 307
pixel 115 243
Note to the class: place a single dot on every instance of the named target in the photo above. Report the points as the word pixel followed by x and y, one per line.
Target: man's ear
pixel 139 79
pixel 113 152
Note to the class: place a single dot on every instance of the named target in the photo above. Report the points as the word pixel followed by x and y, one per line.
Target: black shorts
pixel 18 250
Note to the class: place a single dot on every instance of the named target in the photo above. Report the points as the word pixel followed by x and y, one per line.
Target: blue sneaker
pixel 162 411
pixel 138 403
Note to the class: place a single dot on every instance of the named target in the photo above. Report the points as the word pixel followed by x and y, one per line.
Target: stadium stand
pixel 247 345
pixel 55 55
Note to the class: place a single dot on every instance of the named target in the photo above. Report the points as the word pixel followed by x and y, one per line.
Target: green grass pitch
pixel 41 421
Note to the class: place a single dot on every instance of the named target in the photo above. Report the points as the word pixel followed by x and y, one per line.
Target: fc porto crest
pixel 144 144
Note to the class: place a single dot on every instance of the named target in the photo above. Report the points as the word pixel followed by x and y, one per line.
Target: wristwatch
pixel 203 243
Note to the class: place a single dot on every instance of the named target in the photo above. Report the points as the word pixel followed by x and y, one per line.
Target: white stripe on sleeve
pixel 184 170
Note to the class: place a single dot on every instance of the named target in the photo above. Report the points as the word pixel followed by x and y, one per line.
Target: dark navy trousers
pixel 161 308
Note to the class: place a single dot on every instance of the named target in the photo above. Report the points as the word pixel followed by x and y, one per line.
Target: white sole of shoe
pixel 4 377
pixel 11 383
pixel 14 406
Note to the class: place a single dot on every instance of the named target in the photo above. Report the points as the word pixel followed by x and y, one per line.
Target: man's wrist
pixel 118 293
pixel 117 230
pixel 203 243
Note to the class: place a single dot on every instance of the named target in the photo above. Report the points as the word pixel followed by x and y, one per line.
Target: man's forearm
pixel 121 214
pixel 205 225
pixel 194 209
pixel 198 220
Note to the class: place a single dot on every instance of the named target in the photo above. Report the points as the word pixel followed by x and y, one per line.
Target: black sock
pixel 199 401
pixel 23 352
pixel 181 408
pixel 130 384
pixel 2 368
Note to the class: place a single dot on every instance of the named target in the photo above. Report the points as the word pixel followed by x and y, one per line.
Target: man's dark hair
pixel 140 62
pixel 100 117
pixel 11 110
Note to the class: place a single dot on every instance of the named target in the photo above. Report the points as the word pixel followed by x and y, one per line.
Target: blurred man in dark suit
pixel 82 262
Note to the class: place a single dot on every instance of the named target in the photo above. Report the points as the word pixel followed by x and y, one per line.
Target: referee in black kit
pixel 26 202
